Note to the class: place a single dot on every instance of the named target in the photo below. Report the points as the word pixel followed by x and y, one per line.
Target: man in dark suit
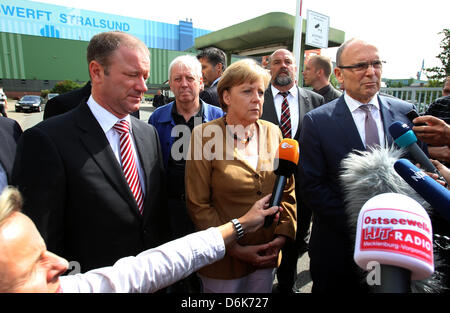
pixel 328 134
pixel 67 101
pixel 214 63
pixel 10 132
pixel 317 74
pixel 300 101
pixel 69 168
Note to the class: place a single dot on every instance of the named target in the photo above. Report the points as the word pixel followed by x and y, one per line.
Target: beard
pixel 282 80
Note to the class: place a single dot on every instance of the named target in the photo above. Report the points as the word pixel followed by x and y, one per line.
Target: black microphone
pixel 404 137
pixel 288 154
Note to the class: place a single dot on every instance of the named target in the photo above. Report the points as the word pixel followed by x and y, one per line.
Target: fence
pixel 420 96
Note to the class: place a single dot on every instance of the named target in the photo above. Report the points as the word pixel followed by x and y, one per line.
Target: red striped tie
pixel 129 163
pixel 285 123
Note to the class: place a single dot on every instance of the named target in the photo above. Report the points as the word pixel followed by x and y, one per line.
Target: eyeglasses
pixel 363 66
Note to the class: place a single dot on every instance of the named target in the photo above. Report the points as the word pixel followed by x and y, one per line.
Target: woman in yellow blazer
pixel 230 167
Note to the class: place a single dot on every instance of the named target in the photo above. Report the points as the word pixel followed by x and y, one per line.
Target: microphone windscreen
pixel 393 229
pixel 287 157
pixel 402 134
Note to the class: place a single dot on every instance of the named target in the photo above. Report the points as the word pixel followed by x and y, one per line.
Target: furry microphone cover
pixel 370 173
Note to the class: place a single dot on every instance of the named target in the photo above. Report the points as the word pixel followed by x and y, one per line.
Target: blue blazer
pixel 327 136
pixel 162 120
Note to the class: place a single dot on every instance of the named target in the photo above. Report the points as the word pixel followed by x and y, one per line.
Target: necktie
pixel 129 163
pixel 285 121
pixel 371 129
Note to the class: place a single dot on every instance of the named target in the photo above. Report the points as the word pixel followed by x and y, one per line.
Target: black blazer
pixel 210 95
pixel 10 132
pixel 77 195
pixel 307 100
pixel 67 101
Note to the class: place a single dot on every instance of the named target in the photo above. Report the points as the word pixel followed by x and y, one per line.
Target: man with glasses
pixel 359 120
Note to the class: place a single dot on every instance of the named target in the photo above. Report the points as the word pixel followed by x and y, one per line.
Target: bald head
pixel 283 69
pixel 359 69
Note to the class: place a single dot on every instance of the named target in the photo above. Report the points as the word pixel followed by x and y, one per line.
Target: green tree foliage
pixel 65 86
pixel 439 73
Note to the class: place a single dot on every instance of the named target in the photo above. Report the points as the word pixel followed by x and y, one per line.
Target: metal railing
pixel 422 97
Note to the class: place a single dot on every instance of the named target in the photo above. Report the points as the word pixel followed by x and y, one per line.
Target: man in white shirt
pixel 358 120
pixel 27 266
pixel 93 178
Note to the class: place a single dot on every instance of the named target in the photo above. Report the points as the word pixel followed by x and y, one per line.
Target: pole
pixel 297 46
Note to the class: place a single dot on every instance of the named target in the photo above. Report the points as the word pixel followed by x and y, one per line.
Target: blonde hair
pixel 10 202
pixel 246 70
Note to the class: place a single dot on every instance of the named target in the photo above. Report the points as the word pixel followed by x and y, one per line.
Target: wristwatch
pixel 238 227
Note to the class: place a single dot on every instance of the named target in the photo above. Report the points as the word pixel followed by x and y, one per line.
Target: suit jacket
pixel 76 193
pixel 66 102
pixel 328 135
pixel 10 132
pixel 329 93
pixel 210 95
pixel 307 100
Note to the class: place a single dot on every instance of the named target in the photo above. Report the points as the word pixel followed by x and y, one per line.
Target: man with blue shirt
pixel 174 123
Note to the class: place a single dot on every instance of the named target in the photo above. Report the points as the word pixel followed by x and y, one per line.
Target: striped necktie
pixel 129 163
pixel 285 121
pixel 371 129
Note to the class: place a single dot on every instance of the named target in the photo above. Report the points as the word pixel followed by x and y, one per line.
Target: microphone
pixel 404 137
pixel 433 192
pixel 287 158
pixel 394 231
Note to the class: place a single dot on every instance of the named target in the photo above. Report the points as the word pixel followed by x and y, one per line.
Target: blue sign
pixel 48 20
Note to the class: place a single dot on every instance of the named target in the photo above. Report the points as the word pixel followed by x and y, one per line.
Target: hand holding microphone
pixel 404 137
pixel 287 158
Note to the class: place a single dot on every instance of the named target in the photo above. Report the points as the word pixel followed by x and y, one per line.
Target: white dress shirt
pixel 152 269
pixel 293 106
pixel 359 116
pixel 107 120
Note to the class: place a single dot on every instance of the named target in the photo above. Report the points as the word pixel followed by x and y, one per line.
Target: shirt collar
pixel 355 104
pixel 216 81
pixel 105 118
pixel 293 91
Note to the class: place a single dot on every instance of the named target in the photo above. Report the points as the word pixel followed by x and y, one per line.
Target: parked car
pixel 30 103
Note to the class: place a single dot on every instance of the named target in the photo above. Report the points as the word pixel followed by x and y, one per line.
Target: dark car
pixel 30 103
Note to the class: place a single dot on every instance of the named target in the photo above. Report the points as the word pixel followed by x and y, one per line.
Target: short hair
pixel 214 56
pixel 10 202
pixel 189 61
pixel 245 70
pixel 323 63
pixel 102 46
pixel 269 61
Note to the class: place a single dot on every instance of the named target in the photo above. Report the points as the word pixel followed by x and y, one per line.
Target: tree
pixel 65 86
pixel 439 73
